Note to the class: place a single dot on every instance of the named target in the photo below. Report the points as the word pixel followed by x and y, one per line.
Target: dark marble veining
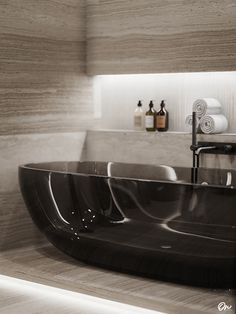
pixel 141 219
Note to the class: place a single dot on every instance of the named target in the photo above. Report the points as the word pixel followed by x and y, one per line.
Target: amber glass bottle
pixel 162 118
pixel 150 118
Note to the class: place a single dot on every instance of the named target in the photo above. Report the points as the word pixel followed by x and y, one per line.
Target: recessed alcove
pixel 116 96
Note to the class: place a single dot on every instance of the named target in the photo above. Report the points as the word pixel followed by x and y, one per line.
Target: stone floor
pixel 45 265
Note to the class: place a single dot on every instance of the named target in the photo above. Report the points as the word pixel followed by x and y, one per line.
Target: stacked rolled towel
pixel 216 123
pixel 210 118
pixel 189 123
pixel 206 106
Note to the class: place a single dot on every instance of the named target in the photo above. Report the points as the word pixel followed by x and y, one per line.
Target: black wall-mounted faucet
pixel 207 148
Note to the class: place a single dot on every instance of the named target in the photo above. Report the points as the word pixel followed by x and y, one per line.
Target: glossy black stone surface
pixel 148 220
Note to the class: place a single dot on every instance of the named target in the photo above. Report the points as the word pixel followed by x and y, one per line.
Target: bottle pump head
pixel 139 103
pixel 151 104
pixel 163 103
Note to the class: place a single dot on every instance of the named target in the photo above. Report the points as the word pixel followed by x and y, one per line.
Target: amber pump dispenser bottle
pixel 162 118
pixel 150 118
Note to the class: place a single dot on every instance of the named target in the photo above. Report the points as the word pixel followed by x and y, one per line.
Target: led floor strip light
pixel 81 303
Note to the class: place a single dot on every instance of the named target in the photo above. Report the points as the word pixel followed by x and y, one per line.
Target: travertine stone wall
pixel 43 86
pixel 152 36
pixel 43 89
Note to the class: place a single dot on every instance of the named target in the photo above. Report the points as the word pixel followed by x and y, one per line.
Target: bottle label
pixel 161 122
pixel 149 122
pixel 138 121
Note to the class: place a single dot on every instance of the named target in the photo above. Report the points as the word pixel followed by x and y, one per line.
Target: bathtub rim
pixel 29 166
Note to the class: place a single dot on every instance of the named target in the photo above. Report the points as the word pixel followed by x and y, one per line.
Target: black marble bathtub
pixel 148 220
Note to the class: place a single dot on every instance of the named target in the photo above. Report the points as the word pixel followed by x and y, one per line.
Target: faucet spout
pixel 201 148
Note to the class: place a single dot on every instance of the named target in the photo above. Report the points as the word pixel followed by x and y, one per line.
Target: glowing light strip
pixel 79 302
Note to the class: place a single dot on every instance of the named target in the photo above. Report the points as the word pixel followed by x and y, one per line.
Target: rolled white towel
pixel 206 106
pixel 216 123
pixel 189 123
